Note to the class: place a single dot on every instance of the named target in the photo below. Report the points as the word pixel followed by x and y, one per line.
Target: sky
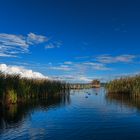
pixel 71 40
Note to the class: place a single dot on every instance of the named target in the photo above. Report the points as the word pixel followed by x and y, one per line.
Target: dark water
pixel 84 115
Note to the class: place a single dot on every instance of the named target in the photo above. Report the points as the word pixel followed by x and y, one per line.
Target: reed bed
pixel 14 89
pixel 127 85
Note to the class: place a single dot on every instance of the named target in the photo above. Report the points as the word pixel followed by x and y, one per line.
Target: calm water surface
pixel 83 115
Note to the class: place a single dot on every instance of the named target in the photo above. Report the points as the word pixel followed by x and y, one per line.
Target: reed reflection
pixel 127 100
pixel 13 114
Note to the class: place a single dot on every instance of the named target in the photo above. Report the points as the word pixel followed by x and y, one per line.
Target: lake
pixel 81 115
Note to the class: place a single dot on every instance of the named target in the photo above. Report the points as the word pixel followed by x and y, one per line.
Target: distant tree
pixel 95 82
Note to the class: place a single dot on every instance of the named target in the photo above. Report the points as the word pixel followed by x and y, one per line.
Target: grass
pixel 14 89
pixel 127 85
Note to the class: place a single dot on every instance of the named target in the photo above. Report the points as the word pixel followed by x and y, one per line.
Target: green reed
pixel 15 89
pixel 126 85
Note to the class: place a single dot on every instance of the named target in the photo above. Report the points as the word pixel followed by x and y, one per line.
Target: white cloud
pixel 13 40
pixel 74 78
pixel 84 79
pixel 7 69
pixel 68 62
pixel 110 59
pixel 2 54
pixel 61 68
pixel 50 46
pixel 96 66
pixel 35 39
pixel 125 58
pixel 12 44
pixel 12 69
pixel 78 67
pixel 53 45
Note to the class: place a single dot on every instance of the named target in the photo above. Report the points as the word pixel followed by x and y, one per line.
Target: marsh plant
pixel 126 85
pixel 15 89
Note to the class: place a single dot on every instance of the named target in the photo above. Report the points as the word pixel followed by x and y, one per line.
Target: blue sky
pixel 72 40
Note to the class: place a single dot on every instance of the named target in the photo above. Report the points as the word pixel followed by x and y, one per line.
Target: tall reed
pixel 15 89
pixel 127 85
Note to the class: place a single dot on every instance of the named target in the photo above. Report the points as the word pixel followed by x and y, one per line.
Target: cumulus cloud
pixel 12 44
pixel 110 59
pixel 7 69
pixel 10 69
